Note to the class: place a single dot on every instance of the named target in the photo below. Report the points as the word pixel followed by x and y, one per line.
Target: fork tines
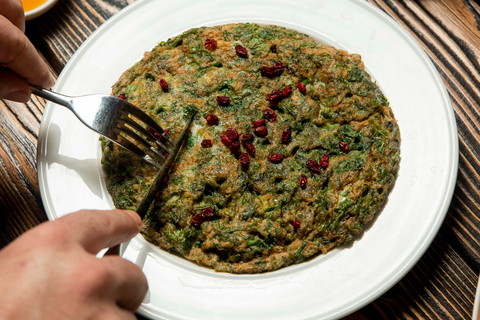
pixel 156 139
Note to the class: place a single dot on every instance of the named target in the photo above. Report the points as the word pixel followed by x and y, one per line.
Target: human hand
pixel 51 271
pixel 20 63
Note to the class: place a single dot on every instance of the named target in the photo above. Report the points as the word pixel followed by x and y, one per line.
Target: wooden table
pixel 441 286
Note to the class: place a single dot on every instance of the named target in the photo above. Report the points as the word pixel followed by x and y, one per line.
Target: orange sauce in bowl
pixel 32 4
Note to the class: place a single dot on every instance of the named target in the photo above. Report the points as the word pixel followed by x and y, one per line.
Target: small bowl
pixel 44 7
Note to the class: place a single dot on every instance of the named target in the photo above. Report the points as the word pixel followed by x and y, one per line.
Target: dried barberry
pixel 268 72
pixel 223 101
pixel 344 147
pixel 250 148
pixel 232 134
pixel 260 131
pixel 164 85
pixel 287 91
pixel 247 137
pixel 273 71
pixel 303 181
pixel 241 51
pixel 273 48
pixel 234 147
pixel 208 213
pixel 286 136
pixel 211 119
pixel 324 161
pixel 269 114
pixel 244 161
pixel 302 87
pixel 275 96
pixel 258 123
pixel 225 140
pixel 206 143
pixel 295 224
pixel 275 158
pixel 211 44
pixel 122 96
pixel 198 220
pixel 313 166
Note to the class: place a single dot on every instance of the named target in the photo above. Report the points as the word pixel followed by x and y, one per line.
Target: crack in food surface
pixel 294 149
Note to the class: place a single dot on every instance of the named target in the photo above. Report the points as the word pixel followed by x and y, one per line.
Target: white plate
pixel 329 286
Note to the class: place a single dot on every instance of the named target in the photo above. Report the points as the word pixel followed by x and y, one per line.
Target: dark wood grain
pixel 441 285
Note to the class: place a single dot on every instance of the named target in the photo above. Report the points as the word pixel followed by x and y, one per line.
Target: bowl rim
pixel 38 11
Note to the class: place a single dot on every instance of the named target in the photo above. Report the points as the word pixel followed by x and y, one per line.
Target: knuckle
pixel 90 277
pixel 52 233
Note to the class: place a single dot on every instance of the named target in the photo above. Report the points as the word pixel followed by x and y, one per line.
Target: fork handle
pixel 52 96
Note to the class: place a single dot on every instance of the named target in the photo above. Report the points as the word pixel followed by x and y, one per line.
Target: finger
pixel 130 284
pixel 18 54
pixel 95 230
pixel 13 87
pixel 114 313
pixel 13 11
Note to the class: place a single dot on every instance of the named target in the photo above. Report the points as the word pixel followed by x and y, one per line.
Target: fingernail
pixel 52 81
pixel 19 96
pixel 135 217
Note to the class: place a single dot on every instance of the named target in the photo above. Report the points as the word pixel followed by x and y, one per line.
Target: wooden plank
pixel 20 202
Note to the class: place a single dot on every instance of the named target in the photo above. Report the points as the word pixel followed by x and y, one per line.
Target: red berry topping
pixel 198 220
pixel 208 213
pixel 275 158
pixel 241 51
pixel 211 44
pixel 235 147
pixel 302 88
pixel 324 161
pixel 273 48
pixel 275 96
pixel 344 147
pixel 232 134
pixel 122 96
pixel 225 140
pixel 303 181
pixel 260 131
pixel 313 166
pixel 244 160
pixel 278 66
pixel 247 137
pixel 287 91
pixel 212 119
pixel 258 123
pixel 273 71
pixel 286 136
pixel 250 148
pixel 223 101
pixel 206 143
pixel 270 115
pixel 295 224
pixel 164 85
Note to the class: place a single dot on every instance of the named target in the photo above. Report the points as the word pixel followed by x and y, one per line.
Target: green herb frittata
pixel 293 151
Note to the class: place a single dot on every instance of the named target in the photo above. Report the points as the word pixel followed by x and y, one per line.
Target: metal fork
pixel 113 118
